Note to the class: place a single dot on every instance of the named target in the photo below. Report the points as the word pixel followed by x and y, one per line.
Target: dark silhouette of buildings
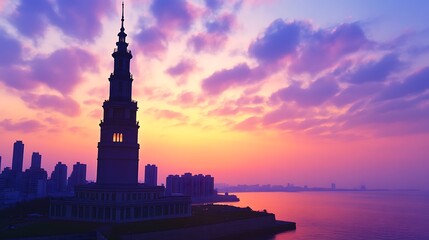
pixel 77 177
pixel 57 184
pixel 188 185
pixel 18 156
pixel 33 183
pixel 151 175
pixel 35 178
pixel 36 161
pixel 11 180
pixel 117 196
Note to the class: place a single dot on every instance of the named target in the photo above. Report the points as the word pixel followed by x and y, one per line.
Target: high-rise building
pixel 18 156
pixel 150 175
pixel 0 163
pixel 77 177
pixel 35 178
pixel 57 184
pixel 36 161
pixel 196 186
pixel 117 196
pixel 173 185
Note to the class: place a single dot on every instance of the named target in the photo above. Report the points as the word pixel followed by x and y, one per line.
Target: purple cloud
pixel 207 42
pixel 324 48
pixel 79 19
pixel 239 75
pixel 375 71
pixel 250 100
pixel 61 104
pixel 357 92
pixel 24 126
pixel 316 94
pixel 214 5
pixel 414 84
pixel 215 36
pixel 406 116
pixel 62 69
pixel 284 112
pixel 11 50
pixel 31 17
pixel 221 25
pixel 18 77
pixel 184 67
pixel 173 14
pixel 279 40
pixel 152 42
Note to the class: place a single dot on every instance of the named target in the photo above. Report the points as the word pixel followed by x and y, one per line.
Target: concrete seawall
pixel 265 224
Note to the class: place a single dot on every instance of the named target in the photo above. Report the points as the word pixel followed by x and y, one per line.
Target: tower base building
pixel 98 203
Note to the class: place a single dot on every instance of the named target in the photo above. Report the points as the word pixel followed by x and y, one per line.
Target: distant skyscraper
pixel 0 163
pixel 57 184
pixel 77 177
pixel 150 175
pixel 18 156
pixel 173 184
pixel 195 186
pixel 36 161
pixel 35 178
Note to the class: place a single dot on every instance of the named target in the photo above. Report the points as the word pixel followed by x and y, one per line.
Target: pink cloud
pixel 23 125
pixel 234 111
pixel 188 99
pixel 249 124
pixel 239 75
pixel 208 42
pixel 168 114
pixel 61 104
pixel 182 68
pixel 282 113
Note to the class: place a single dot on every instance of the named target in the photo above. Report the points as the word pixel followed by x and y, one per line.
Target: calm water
pixel 346 215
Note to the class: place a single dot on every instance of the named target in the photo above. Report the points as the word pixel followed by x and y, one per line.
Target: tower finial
pixel 122 19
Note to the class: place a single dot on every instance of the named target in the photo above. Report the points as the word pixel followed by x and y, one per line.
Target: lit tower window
pixel 117 137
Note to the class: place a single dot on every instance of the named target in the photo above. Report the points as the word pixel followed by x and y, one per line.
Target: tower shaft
pixel 118 149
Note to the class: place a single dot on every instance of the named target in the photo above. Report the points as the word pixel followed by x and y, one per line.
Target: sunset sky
pixel 252 91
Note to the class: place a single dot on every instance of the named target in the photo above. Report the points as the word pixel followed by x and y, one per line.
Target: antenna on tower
pixel 122 19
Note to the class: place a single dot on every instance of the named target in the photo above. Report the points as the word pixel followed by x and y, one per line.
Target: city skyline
pixel 296 95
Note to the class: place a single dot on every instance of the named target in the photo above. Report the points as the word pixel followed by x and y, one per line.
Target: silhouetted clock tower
pixel 117 196
pixel 118 149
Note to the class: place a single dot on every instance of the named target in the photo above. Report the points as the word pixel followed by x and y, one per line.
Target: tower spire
pixel 122 19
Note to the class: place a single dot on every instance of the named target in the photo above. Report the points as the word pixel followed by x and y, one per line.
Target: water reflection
pixel 346 215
